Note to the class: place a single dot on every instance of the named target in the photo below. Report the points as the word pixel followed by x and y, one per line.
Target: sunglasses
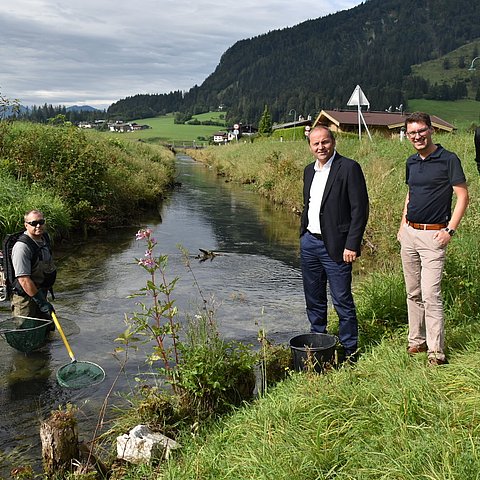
pixel 35 223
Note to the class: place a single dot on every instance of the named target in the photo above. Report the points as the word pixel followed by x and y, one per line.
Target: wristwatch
pixel 450 231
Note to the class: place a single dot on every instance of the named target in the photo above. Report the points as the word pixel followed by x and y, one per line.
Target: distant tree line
pixel 419 87
pixel 45 114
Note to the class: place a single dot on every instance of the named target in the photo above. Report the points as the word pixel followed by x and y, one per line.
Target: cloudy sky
pixel 95 52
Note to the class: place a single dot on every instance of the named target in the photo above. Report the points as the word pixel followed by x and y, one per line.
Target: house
pixel 383 122
pixel 220 137
pixel 126 127
pixel 301 122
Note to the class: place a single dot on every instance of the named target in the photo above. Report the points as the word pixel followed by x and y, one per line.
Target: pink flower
pixel 144 233
pixel 147 262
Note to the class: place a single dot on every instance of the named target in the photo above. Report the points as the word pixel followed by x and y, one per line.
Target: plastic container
pixel 316 349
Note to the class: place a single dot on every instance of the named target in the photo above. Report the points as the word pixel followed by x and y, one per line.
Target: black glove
pixel 43 304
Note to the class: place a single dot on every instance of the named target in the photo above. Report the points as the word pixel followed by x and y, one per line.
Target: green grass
pixel 460 113
pixel 391 417
pixel 163 129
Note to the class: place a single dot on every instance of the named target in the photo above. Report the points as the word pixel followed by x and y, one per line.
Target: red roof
pixel 375 119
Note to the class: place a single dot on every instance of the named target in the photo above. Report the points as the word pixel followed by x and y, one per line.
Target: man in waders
pixel 34 269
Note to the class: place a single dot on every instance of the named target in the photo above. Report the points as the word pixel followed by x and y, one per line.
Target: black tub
pixel 315 349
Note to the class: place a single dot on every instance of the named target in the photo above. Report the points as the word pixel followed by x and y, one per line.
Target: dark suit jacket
pixel 477 147
pixel 344 208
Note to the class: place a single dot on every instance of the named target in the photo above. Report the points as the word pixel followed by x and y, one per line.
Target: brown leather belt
pixel 426 226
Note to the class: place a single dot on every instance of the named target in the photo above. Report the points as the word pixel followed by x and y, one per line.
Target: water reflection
pixel 255 283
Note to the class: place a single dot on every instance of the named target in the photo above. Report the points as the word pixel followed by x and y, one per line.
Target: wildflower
pixel 148 262
pixel 144 233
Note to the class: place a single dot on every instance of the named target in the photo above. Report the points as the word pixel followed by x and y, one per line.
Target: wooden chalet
pixel 383 122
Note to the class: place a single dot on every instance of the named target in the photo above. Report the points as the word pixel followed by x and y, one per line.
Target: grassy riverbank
pixel 79 180
pixel 391 416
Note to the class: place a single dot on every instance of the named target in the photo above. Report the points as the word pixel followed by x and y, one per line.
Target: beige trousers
pixel 423 260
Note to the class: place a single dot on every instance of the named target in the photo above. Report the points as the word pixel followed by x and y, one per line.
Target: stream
pixel 254 282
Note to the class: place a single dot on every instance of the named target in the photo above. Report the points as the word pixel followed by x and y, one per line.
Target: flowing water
pixel 253 283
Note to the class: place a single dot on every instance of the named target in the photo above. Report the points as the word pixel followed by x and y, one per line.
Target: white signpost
pixel 236 130
pixel 358 99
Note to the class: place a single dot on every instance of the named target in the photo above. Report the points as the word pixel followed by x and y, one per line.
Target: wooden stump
pixel 59 437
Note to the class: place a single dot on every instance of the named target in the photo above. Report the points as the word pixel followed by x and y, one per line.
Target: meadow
pixel 164 130
pixel 461 113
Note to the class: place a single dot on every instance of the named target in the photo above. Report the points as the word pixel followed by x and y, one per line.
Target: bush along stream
pixel 80 180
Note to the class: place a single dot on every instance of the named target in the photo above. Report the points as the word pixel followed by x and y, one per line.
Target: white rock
pixel 141 445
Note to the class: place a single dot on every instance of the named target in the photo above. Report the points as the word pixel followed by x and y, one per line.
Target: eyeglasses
pixel 35 223
pixel 422 132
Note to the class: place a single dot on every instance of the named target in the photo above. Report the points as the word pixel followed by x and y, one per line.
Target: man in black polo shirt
pixel 433 174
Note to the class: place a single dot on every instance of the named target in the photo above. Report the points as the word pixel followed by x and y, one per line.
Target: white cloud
pixel 96 52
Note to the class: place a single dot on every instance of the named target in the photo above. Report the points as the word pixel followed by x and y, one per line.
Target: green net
pixel 80 374
pixel 25 333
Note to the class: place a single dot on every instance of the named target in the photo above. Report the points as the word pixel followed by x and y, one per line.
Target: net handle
pixel 64 338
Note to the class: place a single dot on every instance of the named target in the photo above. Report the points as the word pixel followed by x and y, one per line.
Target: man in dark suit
pixel 334 218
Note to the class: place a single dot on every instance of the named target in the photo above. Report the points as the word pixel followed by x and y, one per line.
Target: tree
pixel 265 124
pixel 8 107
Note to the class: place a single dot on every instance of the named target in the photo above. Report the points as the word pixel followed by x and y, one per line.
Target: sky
pixel 96 52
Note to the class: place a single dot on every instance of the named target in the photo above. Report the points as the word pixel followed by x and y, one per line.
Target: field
pixel 460 113
pixel 163 129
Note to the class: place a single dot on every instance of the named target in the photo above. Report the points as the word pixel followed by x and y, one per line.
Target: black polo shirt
pixel 430 183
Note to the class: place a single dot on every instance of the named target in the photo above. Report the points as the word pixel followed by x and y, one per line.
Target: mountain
pixel 82 108
pixel 318 63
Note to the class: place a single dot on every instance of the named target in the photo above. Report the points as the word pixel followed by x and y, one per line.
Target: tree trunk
pixel 59 437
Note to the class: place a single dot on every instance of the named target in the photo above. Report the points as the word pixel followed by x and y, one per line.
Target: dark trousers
pixel 317 269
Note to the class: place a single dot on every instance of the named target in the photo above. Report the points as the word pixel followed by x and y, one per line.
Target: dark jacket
pixel 344 208
pixel 477 148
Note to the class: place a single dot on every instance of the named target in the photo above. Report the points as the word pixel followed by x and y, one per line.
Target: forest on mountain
pixel 317 64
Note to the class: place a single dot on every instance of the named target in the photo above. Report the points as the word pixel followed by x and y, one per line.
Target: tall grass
pixel 391 417
pixel 17 197
pixel 99 180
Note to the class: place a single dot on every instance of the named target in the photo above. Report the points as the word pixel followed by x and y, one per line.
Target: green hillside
pixel 460 113
pixel 317 64
pixel 453 67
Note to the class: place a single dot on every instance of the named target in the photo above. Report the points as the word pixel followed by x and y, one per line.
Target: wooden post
pixel 59 437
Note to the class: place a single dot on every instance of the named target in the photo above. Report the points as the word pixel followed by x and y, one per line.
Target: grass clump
pixel 17 197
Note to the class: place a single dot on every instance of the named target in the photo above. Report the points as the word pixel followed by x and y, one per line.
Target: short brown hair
pixel 418 117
